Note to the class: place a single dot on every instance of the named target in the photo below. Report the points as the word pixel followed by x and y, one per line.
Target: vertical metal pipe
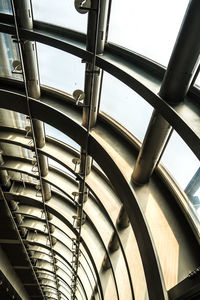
pixel 185 57
pixel 94 89
pixel 180 72
pixel 89 119
pixel 47 191
pixel 31 69
pixel 25 20
pixel 95 46
pixel 153 144
pixel 93 74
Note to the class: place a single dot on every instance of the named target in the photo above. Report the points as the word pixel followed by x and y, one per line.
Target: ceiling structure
pixel 99 161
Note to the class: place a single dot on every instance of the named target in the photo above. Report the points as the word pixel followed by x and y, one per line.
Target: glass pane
pixel 10 65
pixel 58 135
pixel 193 192
pixel 56 165
pixel 125 106
pixel 60 69
pixel 147 27
pixel 61 13
pixel 5 7
pixel 197 82
pixel 183 165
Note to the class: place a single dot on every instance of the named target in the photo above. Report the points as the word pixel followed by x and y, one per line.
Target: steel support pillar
pixel 93 75
pixel 178 77
pixel 25 20
pixel 96 33
pixel 95 44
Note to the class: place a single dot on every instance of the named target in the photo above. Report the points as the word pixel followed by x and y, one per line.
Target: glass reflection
pixel 193 191
pixel 61 13
pixel 147 27
pixel 183 165
pixel 10 66
pixel 125 106
pixel 60 69
pixel 5 7
pixel 197 82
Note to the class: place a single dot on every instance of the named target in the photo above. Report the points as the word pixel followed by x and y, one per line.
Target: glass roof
pixel 182 166
pixel 62 14
pixel 10 66
pixel 147 27
pixel 60 69
pixel 5 7
pixel 125 106
pixel 197 82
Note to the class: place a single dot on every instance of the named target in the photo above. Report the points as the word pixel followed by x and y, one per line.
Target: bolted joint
pixel 83 6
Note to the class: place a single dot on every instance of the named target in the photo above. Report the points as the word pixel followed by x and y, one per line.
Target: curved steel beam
pixel 19 139
pixel 26 200
pixel 156 287
pixel 47 270
pixel 94 228
pixel 62 257
pixel 183 117
pixel 59 254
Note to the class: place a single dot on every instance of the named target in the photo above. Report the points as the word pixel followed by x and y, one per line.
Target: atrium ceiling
pixel 99 149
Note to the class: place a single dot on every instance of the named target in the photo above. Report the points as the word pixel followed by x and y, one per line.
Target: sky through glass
pixel 147 27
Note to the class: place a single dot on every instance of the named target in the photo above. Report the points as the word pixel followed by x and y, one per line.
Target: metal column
pixel 93 74
pixel 25 20
pixel 96 33
pixel 178 77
